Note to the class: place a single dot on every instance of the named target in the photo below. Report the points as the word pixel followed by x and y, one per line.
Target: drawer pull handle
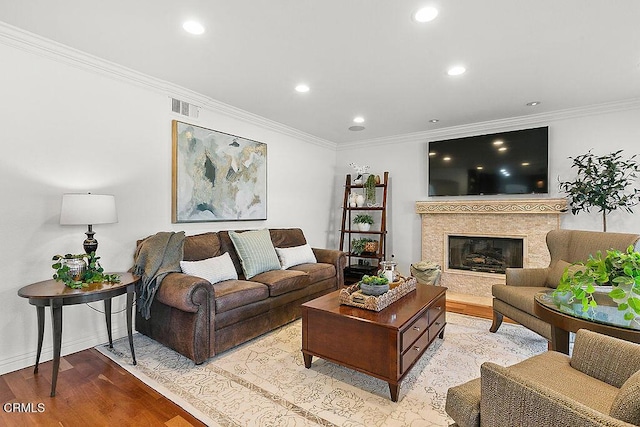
pixel 416 348
pixel 437 323
pixel 416 328
pixel 439 308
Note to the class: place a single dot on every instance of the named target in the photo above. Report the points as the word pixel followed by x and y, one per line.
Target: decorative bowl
pixel 373 289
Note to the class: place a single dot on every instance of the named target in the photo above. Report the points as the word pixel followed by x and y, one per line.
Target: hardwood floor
pixel 92 390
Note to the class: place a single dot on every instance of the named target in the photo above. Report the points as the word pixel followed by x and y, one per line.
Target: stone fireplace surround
pixel 530 219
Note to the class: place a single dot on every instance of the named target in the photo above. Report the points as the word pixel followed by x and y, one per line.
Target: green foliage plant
pixel 374 280
pixel 618 269
pixel 602 182
pixel 357 245
pixel 94 272
pixel 370 188
pixel 363 219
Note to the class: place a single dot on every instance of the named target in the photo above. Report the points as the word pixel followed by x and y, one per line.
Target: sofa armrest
pixel 334 257
pixel 185 292
pixel 526 276
pixel 508 399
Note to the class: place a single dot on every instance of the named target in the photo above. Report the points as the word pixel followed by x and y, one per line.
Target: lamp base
pixel 90 244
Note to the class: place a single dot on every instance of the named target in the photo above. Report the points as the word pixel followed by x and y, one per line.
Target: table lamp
pixel 88 209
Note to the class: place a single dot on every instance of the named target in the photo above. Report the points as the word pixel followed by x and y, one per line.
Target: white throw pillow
pixel 214 269
pixel 296 255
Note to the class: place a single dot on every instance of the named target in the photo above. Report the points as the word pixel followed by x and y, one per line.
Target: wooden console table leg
pixel 393 390
pixel 56 319
pixel 130 294
pixel 40 313
pixel 307 360
pixel 107 316
pixel 559 340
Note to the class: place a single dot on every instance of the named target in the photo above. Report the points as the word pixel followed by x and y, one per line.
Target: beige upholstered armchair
pixel 515 298
pixel 598 386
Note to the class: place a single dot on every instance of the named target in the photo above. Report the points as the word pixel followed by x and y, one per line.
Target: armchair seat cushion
pixel 570 382
pixel 463 403
pixel 232 294
pixel 520 297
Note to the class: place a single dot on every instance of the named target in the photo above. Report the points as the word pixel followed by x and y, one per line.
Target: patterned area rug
pixel 264 382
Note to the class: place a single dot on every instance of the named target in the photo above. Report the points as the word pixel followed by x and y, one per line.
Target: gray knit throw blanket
pixel 155 257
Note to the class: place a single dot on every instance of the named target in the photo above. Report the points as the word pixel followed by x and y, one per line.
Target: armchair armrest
pixel 335 257
pixel 605 358
pixel 508 399
pixel 526 276
pixel 185 292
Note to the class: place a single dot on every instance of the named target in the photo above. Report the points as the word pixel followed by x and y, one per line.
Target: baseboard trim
pixel 472 309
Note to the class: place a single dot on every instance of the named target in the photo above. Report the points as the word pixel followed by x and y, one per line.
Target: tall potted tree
pixel 602 182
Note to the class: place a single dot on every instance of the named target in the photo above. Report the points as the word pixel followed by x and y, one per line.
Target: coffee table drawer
pixel 417 328
pixel 437 308
pixel 414 351
pixel 437 326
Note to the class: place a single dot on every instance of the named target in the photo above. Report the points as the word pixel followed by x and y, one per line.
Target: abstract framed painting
pixel 217 176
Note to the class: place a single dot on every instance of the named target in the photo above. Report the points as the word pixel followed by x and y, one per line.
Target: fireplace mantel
pixel 528 206
pixel 530 219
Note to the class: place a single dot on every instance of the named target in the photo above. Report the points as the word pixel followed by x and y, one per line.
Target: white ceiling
pixel 363 57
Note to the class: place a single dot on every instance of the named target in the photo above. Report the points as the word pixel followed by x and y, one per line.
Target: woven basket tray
pixel 353 296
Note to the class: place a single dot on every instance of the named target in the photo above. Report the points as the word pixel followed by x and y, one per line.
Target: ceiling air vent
pixel 184 108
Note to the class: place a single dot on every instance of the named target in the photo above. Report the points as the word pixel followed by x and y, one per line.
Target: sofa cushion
pixel 282 281
pixel 520 297
pixel 256 252
pixel 626 405
pixel 214 269
pixel 232 294
pixel 202 246
pixel 295 255
pixel 317 272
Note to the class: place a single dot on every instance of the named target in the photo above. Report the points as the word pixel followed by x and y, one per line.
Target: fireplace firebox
pixel 485 254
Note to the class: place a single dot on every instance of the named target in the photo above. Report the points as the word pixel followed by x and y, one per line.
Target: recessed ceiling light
pixel 498 142
pixel 502 149
pixel 302 88
pixel 479 168
pixel 356 128
pixel 525 163
pixel 425 14
pixel 434 121
pixel 456 71
pixel 432 153
pixel 193 27
pixel 446 159
pixel 533 103
pixel 358 119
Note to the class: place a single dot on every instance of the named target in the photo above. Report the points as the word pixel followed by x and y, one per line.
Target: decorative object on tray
pixel 618 271
pixel 77 271
pixel 353 296
pixel 374 285
pixel 388 270
pixel 363 221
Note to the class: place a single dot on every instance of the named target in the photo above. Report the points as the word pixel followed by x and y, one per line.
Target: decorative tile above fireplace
pixel 528 220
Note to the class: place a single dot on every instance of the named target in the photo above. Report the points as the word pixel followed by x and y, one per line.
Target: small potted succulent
pixel 617 274
pixel 374 285
pixel 363 221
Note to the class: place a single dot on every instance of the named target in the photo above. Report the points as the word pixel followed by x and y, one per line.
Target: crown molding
pixel 41 46
pixel 499 125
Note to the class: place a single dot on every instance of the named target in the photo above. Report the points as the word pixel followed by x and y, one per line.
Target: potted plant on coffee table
pixel 363 221
pixel 374 285
pixel 617 274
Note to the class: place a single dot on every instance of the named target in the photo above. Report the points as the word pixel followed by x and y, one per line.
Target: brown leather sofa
pixel 515 299
pixel 198 319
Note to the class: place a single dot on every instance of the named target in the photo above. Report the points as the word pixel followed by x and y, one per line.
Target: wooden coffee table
pixel 384 344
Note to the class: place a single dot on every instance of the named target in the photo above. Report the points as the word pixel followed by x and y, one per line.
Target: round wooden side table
pixel 57 294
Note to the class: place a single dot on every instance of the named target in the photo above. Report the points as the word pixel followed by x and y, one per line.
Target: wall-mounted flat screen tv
pixel 513 162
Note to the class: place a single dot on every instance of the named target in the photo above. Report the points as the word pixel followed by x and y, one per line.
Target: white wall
pixel 72 127
pixel 604 129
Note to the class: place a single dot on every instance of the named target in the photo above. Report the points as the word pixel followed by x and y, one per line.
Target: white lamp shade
pixel 88 209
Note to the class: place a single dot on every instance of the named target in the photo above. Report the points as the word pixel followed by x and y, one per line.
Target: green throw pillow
pixel 256 251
